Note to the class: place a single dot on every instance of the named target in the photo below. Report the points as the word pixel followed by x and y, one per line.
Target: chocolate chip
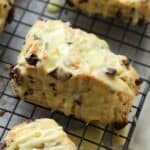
pixel 29 92
pixel 132 10
pixel 138 81
pixel 53 87
pixel 31 79
pixel 69 43
pixel 70 3
pixel 32 60
pixel 41 146
pixel 53 73
pixel 60 74
pixel 10 3
pixel 5 5
pixel 111 71
pixel 77 102
pixel 118 14
pixel 2 113
pixel 2 146
pixel 77 98
pixel 126 62
pixel 141 21
pixel 36 37
pixel 14 72
pixel 119 125
pixel 10 15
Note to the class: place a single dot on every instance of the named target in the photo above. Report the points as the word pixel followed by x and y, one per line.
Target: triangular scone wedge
pixel 40 134
pixel 136 11
pixel 75 72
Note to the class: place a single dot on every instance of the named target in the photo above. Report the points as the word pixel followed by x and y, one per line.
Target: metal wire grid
pixel 135 41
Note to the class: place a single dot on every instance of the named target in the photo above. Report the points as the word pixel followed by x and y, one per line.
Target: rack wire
pixel 123 39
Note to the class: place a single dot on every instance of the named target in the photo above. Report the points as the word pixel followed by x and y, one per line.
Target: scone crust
pixel 136 11
pixel 6 10
pixel 40 134
pixel 56 48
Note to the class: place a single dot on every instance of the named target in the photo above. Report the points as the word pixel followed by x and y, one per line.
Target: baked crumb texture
pixel 75 72
pixel 6 12
pixel 135 11
pixel 41 134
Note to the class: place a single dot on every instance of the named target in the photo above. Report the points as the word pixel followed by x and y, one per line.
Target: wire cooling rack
pixel 123 39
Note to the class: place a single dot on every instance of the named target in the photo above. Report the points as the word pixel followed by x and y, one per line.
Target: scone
pixel 136 11
pixel 41 134
pixel 75 72
pixel 6 12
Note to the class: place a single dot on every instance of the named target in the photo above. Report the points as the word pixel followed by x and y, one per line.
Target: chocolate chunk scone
pixel 75 72
pixel 136 11
pixel 41 134
pixel 6 12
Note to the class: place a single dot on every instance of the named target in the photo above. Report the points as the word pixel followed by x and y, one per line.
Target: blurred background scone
pixel 6 12
pixel 75 72
pixel 136 11
pixel 41 134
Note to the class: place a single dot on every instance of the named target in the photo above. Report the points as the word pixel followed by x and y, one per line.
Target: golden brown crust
pixel 127 10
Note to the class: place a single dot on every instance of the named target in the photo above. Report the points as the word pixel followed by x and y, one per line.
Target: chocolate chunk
pixel 2 146
pixel 14 72
pixel 10 15
pixel 2 113
pixel 83 1
pixel 138 81
pixel 110 71
pixel 32 60
pixel 126 62
pixel 29 92
pixel 54 73
pixel 60 74
pixel 119 125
